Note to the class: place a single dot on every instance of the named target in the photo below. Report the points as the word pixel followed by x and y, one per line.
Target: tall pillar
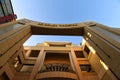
pixel 77 68
pixel 38 64
pixel 71 61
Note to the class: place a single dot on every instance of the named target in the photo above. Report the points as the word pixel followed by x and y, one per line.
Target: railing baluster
pixel 62 67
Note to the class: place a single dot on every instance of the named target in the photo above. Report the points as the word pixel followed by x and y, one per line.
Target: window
pixel 57 45
pixel 86 68
pixel 1 12
pixel 26 51
pixel 34 53
pixel 4 77
pixel 8 5
pixel 17 62
pixel 4 7
pixel 79 54
pixel 86 49
pixel 26 68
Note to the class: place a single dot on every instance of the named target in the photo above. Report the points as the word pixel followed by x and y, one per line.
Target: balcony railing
pixel 62 67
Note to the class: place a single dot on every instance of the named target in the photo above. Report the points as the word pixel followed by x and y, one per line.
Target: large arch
pixel 105 40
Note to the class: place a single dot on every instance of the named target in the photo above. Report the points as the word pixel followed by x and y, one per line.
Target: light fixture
pixel 89 34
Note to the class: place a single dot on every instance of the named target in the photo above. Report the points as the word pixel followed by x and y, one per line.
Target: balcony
pixel 62 67
pixel 56 70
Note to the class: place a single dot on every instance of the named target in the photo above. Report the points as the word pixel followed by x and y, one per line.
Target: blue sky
pixel 106 12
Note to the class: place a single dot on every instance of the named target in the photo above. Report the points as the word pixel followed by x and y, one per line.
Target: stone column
pixel 38 64
pixel 71 61
pixel 76 65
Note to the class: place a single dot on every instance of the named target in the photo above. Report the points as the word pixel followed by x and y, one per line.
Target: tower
pixel 96 59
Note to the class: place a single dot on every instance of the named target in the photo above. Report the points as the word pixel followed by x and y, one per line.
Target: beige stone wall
pixel 98 67
pixel 11 46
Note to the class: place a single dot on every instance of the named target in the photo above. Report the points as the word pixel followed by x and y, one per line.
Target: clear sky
pixel 106 12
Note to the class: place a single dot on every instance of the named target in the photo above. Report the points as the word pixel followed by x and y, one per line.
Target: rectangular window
pixel 79 54
pixel 54 57
pixel 4 7
pixel 1 12
pixel 86 68
pixel 26 68
pixel 17 63
pixel 34 53
pixel 8 5
pixel 57 45
pixel 4 76
pixel 86 49
pixel 26 51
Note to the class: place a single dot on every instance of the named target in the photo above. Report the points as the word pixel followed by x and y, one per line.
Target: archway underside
pixel 17 37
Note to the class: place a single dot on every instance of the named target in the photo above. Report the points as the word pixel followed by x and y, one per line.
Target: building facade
pixel 96 59
pixel 6 11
